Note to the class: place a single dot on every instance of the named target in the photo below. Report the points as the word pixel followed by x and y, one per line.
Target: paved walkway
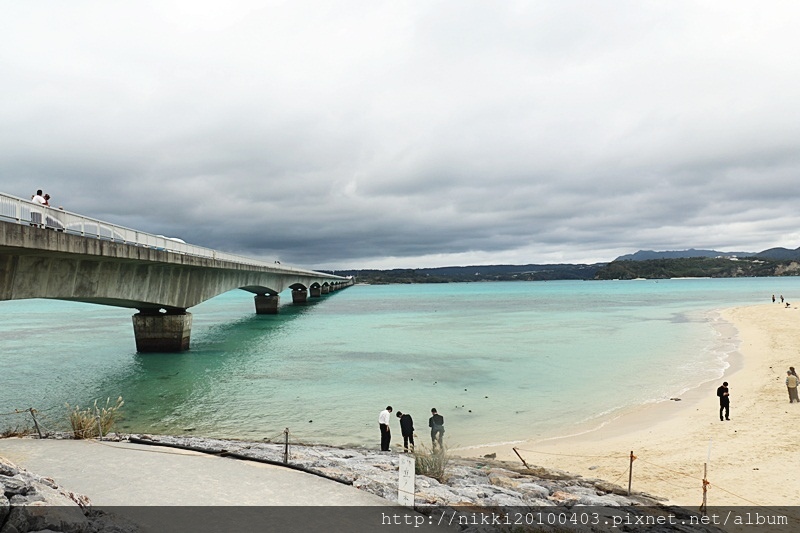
pixel 125 474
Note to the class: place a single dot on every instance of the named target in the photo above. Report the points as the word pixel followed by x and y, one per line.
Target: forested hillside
pixel 698 267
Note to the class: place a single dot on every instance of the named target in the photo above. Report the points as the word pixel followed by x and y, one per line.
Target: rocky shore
pixel 484 484
pixel 468 482
pixel 477 485
pixel 29 502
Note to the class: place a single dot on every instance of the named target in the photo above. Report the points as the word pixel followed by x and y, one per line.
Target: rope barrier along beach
pixel 703 483
pixel 608 456
pixel 17 412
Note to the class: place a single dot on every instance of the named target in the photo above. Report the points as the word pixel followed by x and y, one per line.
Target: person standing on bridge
pixel 383 423
pixel 37 216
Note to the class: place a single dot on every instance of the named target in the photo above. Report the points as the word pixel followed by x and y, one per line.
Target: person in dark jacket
pixel 436 423
pixel 407 429
pixel 724 401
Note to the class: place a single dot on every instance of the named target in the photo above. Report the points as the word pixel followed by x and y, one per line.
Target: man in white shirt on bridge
pixel 36 216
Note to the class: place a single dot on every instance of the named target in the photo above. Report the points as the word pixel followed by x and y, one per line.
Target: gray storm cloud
pixel 402 134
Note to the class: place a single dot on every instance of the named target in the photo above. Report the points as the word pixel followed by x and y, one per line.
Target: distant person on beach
pixel 436 423
pixel 791 384
pixel 407 429
pixel 724 400
pixel 383 423
pixel 773 298
pixel 781 298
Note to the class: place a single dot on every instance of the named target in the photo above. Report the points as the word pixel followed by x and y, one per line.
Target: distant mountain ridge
pixel 642 264
pixel 779 254
pixel 530 272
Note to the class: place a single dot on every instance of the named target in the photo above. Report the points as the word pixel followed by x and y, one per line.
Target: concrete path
pixel 135 476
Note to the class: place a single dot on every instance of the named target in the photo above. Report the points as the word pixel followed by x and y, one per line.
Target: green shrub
pixel 89 422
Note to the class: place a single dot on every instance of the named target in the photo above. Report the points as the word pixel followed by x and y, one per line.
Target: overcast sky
pixel 382 134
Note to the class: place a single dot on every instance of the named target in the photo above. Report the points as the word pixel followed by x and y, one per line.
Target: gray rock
pixel 41 516
pixel 441 495
pixel 425 481
pixel 532 490
pixel 504 500
pixel 472 493
pixel 15 485
pixel 503 481
pixel 7 468
pixel 5 508
pixel 26 499
pixel 35 503
pixel 564 498
pixel 599 501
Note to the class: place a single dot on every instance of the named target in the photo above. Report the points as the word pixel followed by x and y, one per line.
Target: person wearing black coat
pixel 407 429
pixel 436 423
pixel 724 401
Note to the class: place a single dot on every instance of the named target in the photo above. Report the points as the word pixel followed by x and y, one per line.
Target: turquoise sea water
pixel 501 361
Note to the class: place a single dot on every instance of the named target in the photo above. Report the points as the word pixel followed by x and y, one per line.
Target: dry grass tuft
pixel 90 422
pixel 432 463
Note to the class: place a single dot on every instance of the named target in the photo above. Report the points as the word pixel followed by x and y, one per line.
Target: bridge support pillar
pixel 299 296
pixel 316 292
pixel 267 304
pixel 326 289
pixel 162 332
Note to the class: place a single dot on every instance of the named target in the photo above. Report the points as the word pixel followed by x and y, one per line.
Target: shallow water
pixel 501 361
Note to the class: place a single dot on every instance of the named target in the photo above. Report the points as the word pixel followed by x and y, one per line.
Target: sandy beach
pixel 751 458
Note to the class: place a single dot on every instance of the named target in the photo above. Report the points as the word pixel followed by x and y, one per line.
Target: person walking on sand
pixel 791 384
pixel 407 429
pixel 724 400
pixel 383 423
pixel 436 423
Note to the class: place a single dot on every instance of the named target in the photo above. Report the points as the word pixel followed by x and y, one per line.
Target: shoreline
pixel 688 396
pixel 730 356
pixel 672 441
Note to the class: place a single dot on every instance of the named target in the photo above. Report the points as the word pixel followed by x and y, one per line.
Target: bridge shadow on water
pixel 164 390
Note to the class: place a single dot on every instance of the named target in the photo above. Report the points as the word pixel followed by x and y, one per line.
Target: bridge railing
pixel 21 211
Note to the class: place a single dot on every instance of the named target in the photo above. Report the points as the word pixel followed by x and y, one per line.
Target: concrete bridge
pixel 51 253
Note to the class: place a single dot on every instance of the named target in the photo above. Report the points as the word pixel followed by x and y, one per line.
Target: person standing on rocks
pixel 724 400
pixel 436 423
pixel 407 429
pixel 383 423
